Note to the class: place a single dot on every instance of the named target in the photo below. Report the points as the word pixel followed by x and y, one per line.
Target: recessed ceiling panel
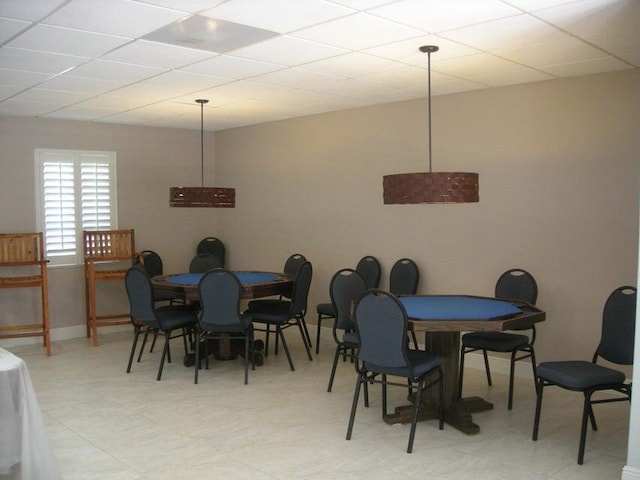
pixel 209 34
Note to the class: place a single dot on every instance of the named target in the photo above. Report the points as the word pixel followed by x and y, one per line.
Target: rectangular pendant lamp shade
pixel 212 197
pixel 430 187
pixel 208 197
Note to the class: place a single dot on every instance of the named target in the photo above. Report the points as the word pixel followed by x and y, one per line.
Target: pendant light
pixel 212 197
pixel 430 187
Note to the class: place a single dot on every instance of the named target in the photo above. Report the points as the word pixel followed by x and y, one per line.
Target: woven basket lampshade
pixel 430 187
pixel 209 197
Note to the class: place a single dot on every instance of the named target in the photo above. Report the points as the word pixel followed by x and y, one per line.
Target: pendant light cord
pixel 429 49
pixel 202 101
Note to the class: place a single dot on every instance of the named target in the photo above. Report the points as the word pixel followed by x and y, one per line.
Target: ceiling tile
pixel 278 15
pixel 563 51
pixel 115 71
pixel 42 95
pixel 153 54
pixel 521 75
pixel 474 66
pixel 9 27
pixel 587 67
pixel 287 50
pixel 520 30
pixel 352 65
pixel 187 6
pixel 30 60
pixel 358 31
pixel 70 83
pixel 297 77
pixel 232 67
pixel 408 51
pixel 22 79
pixel 439 15
pixel 7 91
pixel 67 41
pixel 19 107
pixel 115 17
pixel 29 10
pixel 594 16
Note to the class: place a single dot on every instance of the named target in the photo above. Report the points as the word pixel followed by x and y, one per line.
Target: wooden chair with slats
pixel 104 250
pixel 22 254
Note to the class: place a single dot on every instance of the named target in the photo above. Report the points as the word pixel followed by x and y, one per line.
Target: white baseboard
pixel 630 473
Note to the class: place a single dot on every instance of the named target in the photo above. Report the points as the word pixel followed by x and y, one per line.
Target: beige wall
pixel 149 161
pixel 559 177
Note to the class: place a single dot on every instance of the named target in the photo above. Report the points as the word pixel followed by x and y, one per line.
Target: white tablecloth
pixel 25 452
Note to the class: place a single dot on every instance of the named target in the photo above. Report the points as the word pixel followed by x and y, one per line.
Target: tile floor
pixel 106 424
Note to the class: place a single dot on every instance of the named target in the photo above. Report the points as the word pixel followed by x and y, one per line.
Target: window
pixel 76 191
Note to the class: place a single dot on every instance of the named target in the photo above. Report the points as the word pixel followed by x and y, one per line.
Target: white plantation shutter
pixel 76 192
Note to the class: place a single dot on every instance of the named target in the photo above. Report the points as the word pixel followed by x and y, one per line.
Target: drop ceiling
pixel 145 62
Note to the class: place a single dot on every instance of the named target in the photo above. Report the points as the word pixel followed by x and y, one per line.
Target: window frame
pixel 77 158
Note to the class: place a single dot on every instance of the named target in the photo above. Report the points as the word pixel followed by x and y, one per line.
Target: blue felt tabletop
pixel 457 308
pixel 243 277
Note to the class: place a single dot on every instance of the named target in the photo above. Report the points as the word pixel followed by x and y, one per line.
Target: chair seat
pixel 326 309
pixel 171 317
pixel 351 338
pixel 494 341
pixel 269 310
pixel 579 374
pixel 421 361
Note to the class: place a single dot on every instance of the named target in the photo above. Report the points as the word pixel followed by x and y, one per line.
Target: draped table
pixel 25 452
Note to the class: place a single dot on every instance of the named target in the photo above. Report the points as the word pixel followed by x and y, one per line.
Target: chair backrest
pixel 381 323
pixel 517 284
pixel 369 268
pixel 150 261
pixel 108 245
pixel 404 277
pixel 219 291
pixel 213 246
pixel 346 287
pixel 140 293
pixel 293 263
pixel 300 290
pixel 618 327
pixel 203 262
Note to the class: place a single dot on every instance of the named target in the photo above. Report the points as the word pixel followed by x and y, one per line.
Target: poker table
pixel 443 318
pixel 254 284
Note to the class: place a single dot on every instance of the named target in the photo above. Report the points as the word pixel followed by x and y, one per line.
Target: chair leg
pixel 144 342
pixel 354 405
pixel 414 420
pixel 415 339
pixel 307 346
pixel 333 368
pixel 318 330
pixel 461 372
pixel 153 343
pixel 197 362
pixel 440 399
pixel 384 396
pixel 536 420
pixel 307 337
pixel 586 412
pixel 486 367
pixel 136 334
pixel 512 368
pixel 280 334
pixel 246 358
pixel 165 353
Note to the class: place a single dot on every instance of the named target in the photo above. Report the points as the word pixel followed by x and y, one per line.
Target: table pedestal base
pixel 458 415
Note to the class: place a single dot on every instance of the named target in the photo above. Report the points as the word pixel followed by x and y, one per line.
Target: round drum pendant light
pixel 430 187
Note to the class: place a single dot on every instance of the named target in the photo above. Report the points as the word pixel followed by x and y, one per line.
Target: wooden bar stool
pixel 24 252
pixel 105 247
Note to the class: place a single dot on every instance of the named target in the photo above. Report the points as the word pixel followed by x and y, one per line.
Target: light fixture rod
pixel 429 49
pixel 202 101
